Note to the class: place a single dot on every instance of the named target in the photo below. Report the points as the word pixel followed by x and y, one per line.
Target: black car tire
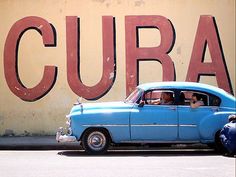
pixel 219 147
pixel 95 141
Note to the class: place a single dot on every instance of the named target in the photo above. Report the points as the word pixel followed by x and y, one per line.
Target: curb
pixel 50 143
pixel 35 143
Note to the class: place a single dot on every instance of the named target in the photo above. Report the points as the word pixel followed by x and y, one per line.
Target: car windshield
pixel 134 96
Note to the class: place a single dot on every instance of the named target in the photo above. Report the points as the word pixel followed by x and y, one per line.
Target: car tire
pixel 219 147
pixel 95 141
pixel 211 145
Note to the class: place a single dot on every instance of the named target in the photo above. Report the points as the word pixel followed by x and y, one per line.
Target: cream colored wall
pixel 47 114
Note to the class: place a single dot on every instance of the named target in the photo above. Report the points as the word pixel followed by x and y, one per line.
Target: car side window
pixel 214 101
pixel 186 96
pixel 159 97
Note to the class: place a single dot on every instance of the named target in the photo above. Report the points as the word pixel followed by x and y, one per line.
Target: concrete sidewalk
pixel 34 143
pixel 50 143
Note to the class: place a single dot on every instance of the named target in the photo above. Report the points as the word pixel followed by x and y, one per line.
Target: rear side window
pixel 214 100
pixel 208 99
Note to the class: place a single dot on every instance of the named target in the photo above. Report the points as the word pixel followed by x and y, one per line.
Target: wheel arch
pixel 97 128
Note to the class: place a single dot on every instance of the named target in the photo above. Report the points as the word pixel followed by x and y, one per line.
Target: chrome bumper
pixel 62 138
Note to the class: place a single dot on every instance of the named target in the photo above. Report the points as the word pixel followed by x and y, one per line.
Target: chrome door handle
pixel 173 108
pixel 215 109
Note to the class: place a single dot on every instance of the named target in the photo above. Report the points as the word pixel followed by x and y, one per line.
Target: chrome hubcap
pixel 96 141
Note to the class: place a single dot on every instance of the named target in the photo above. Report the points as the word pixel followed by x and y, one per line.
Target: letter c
pixel 11 58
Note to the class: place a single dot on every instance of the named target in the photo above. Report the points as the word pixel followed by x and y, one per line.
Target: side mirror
pixel 141 104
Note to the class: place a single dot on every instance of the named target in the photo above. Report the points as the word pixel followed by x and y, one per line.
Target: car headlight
pixel 68 122
pixel 69 131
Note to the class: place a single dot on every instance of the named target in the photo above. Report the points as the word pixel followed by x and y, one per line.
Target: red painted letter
pixel 73 59
pixel 207 34
pixel 11 58
pixel 160 53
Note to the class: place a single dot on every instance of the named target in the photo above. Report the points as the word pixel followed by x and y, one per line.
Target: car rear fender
pixel 210 124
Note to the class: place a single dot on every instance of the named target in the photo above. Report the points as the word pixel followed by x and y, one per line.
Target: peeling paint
pixel 108 4
pixel 101 1
pixel 111 75
pixel 179 50
pixel 139 3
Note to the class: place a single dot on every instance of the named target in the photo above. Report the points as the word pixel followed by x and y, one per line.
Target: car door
pixel 190 118
pixel 154 122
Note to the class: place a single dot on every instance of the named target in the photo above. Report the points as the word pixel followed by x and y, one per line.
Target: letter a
pixel 207 34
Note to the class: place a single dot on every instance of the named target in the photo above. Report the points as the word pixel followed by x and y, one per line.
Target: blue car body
pixel 131 122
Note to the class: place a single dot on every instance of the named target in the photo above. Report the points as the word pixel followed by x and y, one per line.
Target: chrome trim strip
pixel 106 125
pixel 154 125
pixel 149 141
pixel 230 108
pixel 139 125
pixel 188 125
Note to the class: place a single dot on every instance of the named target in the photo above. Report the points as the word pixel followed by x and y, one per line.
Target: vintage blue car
pixel 161 112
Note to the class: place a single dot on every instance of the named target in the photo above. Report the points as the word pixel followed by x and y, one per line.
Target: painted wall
pixel 121 44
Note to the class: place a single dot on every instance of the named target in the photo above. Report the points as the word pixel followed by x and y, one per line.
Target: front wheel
pixel 95 141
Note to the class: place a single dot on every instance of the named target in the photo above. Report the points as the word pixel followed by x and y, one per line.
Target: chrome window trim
pixel 105 125
pixel 154 125
pixel 139 125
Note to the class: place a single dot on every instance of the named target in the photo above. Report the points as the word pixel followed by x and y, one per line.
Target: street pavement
pixel 44 157
pixel 116 163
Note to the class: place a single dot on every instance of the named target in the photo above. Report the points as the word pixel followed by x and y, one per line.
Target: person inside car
pixel 166 99
pixel 196 101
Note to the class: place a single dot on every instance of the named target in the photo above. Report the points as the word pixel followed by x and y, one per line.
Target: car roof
pixel 227 99
pixel 182 85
